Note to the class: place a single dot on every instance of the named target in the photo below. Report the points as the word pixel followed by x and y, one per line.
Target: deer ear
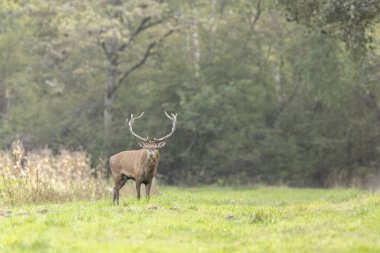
pixel 142 144
pixel 161 144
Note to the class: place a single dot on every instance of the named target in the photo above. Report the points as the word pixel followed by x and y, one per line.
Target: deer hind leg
pixel 115 194
pixel 116 190
pixel 124 179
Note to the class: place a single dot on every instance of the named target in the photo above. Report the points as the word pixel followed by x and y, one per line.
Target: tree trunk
pixel 277 82
pixel 6 103
pixel 110 86
pixel 7 99
pixel 185 23
pixel 195 39
pixel 212 17
pixel 109 98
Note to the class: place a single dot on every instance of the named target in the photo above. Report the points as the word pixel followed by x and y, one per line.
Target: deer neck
pixel 152 162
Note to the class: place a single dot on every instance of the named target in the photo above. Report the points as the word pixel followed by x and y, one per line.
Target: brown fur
pixel 135 165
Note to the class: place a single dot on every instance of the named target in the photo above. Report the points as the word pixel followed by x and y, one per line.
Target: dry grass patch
pixel 43 177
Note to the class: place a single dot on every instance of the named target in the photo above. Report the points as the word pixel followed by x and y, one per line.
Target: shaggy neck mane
pixel 152 162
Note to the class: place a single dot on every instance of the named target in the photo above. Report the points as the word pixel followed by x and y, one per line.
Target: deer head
pixel 152 145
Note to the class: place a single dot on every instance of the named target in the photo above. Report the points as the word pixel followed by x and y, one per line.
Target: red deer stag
pixel 139 165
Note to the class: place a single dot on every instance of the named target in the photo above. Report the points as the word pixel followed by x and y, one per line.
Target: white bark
pixel 110 84
pixel 277 82
pixel 195 39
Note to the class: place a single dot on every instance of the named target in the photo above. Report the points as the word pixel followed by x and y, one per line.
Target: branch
pixel 258 12
pixel 143 26
pixel 110 52
pixel 251 23
pixel 142 60
pixel 105 50
pixel 134 34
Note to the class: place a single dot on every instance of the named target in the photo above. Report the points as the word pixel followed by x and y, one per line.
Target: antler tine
pixel 173 117
pixel 138 116
pixel 133 119
pixel 130 123
pixel 168 115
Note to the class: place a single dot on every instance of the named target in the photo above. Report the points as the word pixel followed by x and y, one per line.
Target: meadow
pixel 58 203
pixel 206 219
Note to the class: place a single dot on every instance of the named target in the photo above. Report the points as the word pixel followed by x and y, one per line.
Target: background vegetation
pixel 276 92
pixel 267 92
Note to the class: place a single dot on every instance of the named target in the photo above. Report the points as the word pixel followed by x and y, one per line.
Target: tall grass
pixel 43 177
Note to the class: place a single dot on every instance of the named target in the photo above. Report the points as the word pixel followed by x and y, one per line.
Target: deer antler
pixel 130 123
pixel 173 117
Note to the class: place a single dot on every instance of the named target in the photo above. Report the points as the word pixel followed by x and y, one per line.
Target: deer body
pixel 134 164
pixel 139 165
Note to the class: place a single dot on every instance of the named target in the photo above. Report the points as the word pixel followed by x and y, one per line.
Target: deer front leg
pixel 147 190
pixel 138 187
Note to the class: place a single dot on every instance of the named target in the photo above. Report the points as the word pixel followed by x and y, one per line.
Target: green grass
pixel 201 220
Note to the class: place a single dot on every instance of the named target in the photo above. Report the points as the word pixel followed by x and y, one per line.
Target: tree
pixel 126 32
pixel 351 21
pixel 120 43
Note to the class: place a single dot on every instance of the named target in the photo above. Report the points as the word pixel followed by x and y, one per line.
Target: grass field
pixel 201 220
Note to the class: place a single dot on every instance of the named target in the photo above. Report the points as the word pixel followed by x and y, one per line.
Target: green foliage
pixel 351 21
pixel 259 99
pixel 201 219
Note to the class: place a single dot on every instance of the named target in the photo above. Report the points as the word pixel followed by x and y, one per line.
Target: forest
pixel 266 92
